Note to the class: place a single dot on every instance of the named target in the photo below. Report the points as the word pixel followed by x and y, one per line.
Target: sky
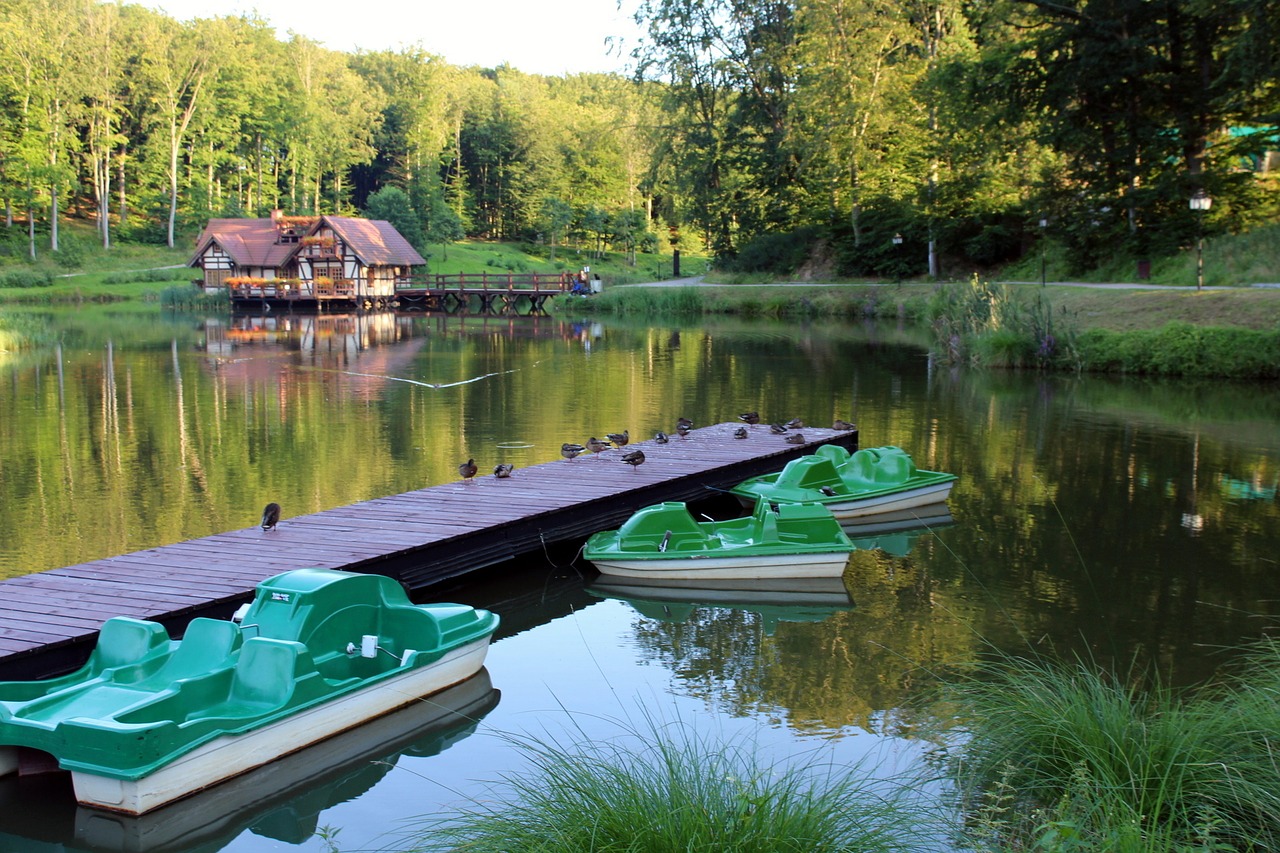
pixel 550 37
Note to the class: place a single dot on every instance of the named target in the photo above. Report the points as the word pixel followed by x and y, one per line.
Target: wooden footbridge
pixel 500 292
pixel 49 620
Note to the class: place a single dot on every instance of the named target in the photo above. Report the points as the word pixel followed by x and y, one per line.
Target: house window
pixel 327 269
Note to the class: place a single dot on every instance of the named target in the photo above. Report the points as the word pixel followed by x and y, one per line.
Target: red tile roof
pixel 249 242
pixel 375 241
pixel 252 242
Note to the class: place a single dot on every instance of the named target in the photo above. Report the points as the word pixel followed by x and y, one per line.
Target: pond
pixel 1126 520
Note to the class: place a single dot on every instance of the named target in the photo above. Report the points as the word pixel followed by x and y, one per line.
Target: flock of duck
pixel 635 458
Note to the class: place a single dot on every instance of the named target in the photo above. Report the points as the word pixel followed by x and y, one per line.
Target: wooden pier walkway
pixel 49 620
pixel 498 292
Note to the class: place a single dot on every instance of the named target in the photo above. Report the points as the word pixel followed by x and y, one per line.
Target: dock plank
pixel 49 620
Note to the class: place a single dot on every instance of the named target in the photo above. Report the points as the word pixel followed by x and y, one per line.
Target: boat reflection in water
pixel 774 600
pixel 281 800
pixel 895 532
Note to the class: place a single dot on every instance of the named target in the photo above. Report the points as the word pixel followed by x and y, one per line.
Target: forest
pixel 865 136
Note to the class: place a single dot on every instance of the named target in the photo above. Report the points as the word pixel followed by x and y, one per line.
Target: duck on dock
pixel 660 437
pixel 843 426
pixel 467 470
pixel 740 432
pixel 777 429
pixel 595 445
pixel 570 451
pixel 270 516
pixel 634 458
pixel 794 423
pixel 503 470
pixel 794 438
pixel 620 438
pixel 751 418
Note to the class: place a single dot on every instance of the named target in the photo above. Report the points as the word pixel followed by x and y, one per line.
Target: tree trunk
pixel 124 201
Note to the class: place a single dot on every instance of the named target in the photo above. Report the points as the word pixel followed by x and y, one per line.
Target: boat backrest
pixel 837 454
pixel 123 640
pixel 812 522
pixel 266 673
pixel 808 472
pixel 207 645
pixel 895 466
pixel 861 467
pixel 768 526
pixel 669 521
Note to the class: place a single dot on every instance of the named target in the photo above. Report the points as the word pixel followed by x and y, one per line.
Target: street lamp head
pixel 1200 200
pixel 897 239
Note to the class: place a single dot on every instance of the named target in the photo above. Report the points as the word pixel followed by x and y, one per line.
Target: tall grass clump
pixel 642 301
pixel 1061 757
pixel 184 297
pixel 670 789
pixel 19 331
pixel 988 325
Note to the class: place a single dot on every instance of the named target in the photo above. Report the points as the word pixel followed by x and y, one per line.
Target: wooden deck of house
pixel 504 293
pixel 49 620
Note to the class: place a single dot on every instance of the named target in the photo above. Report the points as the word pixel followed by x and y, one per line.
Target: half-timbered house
pixel 312 259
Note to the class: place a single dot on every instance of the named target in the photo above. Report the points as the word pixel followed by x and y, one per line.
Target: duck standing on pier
pixel 634 458
pixel 620 438
pixel 467 470
pixel 596 445
pixel 570 451
pixel 270 516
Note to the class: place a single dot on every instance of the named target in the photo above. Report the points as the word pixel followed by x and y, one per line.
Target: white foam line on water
pixel 435 385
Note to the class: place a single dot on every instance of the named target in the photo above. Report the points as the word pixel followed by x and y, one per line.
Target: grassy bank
pixel 1225 333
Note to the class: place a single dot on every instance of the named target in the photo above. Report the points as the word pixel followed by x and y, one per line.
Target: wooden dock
pixel 49 620
pixel 497 293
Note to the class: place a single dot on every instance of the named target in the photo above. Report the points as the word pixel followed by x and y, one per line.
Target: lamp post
pixel 897 261
pixel 1200 202
pixel 1044 225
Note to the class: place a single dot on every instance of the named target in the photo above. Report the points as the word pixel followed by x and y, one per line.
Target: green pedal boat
pixel 664 541
pixel 149 720
pixel 867 482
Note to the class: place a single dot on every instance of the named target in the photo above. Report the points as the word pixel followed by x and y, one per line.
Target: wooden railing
pixel 484 281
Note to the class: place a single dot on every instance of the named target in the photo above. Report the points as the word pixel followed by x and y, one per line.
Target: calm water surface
pixel 1120 519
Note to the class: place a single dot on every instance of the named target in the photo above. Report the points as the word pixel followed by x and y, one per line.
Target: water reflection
pixel 1064 534
pixel 280 801
pixel 822 655
pixel 773 601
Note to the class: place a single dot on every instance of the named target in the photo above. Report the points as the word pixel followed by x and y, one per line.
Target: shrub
pixel 26 278
pixel 176 274
pixel 1181 349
